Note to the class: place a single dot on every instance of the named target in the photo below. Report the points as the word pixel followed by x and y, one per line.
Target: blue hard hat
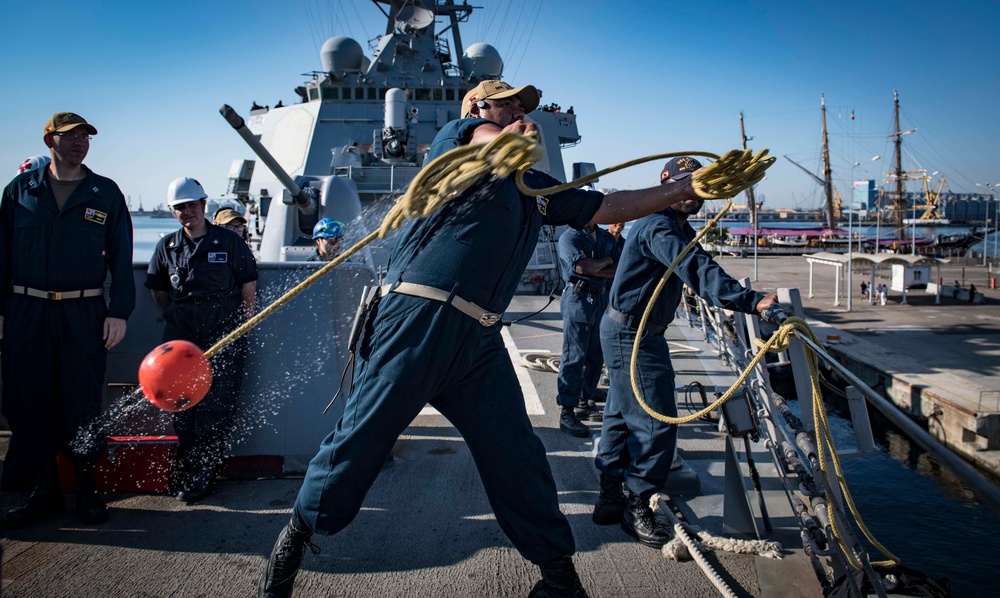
pixel 327 228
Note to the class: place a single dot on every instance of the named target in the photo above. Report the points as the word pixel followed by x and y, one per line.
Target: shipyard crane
pixel 933 196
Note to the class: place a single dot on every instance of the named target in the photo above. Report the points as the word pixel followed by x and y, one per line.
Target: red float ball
pixel 175 376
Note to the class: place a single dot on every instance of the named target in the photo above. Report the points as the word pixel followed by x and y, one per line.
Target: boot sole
pixel 577 433
pixel 606 517
pixel 644 541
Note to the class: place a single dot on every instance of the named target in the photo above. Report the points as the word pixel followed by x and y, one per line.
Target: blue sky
pixel 644 77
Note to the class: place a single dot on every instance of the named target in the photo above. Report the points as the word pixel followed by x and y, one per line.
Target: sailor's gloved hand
pixel 730 174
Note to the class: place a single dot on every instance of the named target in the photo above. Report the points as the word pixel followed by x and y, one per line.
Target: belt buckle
pixel 489 319
pixel 53 295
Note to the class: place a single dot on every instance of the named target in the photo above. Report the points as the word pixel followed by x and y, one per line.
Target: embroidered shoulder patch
pixel 220 257
pixel 542 203
pixel 95 216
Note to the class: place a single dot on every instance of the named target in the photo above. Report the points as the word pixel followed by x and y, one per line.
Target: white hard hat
pixel 183 190
pixel 33 163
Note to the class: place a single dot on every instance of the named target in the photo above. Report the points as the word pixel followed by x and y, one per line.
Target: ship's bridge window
pixel 372 93
pixel 313 93
pixel 437 94
pixel 331 93
pixel 381 93
pixel 449 95
pixel 423 95
pixel 359 93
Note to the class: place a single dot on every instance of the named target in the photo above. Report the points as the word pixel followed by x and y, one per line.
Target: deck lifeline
pixel 940 361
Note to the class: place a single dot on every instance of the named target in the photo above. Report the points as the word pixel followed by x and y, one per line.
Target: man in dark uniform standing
pixel 636 449
pixel 62 230
pixel 204 279
pixel 435 338
pixel 587 259
pixel 616 230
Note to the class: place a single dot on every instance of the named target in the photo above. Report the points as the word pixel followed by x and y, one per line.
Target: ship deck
pixel 426 528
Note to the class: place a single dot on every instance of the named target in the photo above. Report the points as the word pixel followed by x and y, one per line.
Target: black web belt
pixel 633 321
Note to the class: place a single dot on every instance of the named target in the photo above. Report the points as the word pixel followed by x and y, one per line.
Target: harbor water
pixel 919 510
pixel 147 232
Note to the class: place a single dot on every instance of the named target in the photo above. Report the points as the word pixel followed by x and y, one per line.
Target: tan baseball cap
pixel 66 121
pixel 227 215
pixel 499 90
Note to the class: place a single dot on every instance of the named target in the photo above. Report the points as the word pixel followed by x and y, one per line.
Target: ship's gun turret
pixel 305 198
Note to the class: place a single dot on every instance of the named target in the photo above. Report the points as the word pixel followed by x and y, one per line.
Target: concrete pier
pixel 934 357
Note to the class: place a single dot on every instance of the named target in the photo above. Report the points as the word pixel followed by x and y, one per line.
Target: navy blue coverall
pixel 635 447
pixel 53 350
pixel 583 302
pixel 416 351
pixel 204 278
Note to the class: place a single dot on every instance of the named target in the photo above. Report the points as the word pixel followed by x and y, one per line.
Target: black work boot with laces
pixel 90 509
pixel 46 499
pixel 588 411
pixel 559 580
pixel 278 577
pixel 611 503
pixel 569 423
pixel 201 484
pixel 639 522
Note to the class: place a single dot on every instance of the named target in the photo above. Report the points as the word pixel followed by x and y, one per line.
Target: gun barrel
pixel 301 198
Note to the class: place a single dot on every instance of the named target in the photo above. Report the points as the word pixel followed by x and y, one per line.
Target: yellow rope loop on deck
pixel 735 171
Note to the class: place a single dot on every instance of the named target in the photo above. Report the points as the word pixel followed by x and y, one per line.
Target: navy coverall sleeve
pixel 244 266
pixel 570 252
pixel 157 278
pixel 575 207
pixel 118 245
pixel 702 274
pixel 6 234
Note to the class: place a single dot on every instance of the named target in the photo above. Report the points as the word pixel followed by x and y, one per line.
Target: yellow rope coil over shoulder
pixel 452 173
pixel 735 171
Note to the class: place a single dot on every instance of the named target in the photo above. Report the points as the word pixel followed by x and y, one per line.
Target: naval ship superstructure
pixel 363 125
pixel 349 147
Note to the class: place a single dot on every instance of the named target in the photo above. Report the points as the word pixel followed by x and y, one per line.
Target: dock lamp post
pixel 996 222
pixel 850 237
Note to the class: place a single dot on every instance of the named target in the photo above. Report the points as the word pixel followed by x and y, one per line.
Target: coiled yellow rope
pixel 452 173
pixel 778 343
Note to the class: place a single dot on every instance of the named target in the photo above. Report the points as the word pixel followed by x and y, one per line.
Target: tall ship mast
pixel 897 198
pixel 831 212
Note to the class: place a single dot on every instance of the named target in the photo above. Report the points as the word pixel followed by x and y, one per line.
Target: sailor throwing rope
pixel 433 337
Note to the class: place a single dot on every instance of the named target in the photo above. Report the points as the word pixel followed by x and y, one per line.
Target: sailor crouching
pixel 204 279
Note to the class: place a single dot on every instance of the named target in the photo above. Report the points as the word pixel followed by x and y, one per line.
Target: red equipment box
pixel 136 464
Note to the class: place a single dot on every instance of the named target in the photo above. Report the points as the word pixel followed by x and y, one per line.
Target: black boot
pixel 278 577
pixel 588 411
pixel 571 425
pixel 200 484
pixel 639 522
pixel 559 580
pixel 90 509
pixel 44 500
pixel 611 503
